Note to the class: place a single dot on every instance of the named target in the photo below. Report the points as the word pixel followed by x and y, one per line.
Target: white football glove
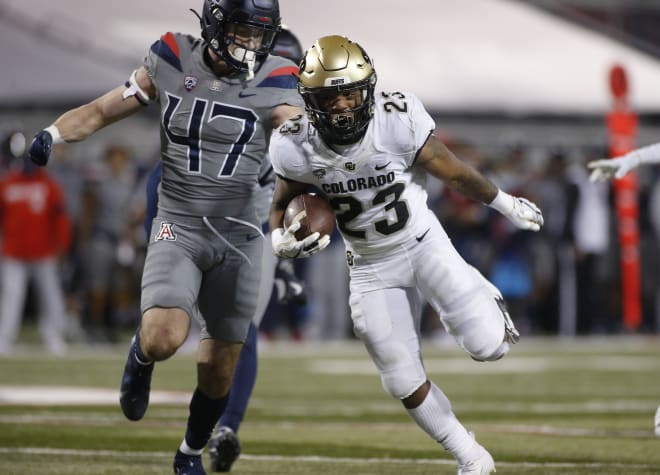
pixel 287 246
pixel 520 211
pixel 606 168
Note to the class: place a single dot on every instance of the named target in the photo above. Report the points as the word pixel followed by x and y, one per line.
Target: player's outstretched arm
pixel 606 168
pixel 79 123
pixel 440 162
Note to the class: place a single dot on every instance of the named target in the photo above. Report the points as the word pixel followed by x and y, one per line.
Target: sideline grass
pixel 551 406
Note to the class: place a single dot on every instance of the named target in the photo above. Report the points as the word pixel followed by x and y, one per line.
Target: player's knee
pixel 490 354
pixel 163 331
pixel 482 335
pixel 160 344
pixel 482 342
pixel 401 384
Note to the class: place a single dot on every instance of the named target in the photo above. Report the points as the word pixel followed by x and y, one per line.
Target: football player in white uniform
pixel 618 167
pixel 369 154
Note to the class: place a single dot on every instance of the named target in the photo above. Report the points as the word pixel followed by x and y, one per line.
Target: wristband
pixel 503 202
pixel 55 134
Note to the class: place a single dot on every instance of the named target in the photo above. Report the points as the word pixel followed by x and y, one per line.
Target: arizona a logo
pixel 189 82
pixel 166 232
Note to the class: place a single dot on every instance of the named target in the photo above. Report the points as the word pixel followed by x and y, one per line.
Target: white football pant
pixel 385 307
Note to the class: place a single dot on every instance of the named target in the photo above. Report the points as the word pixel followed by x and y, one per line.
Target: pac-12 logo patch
pixel 189 82
pixel 166 232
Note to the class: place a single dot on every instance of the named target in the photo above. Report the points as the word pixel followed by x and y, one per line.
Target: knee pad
pixel 483 346
pixel 481 338
pixel 383 321
pixel 402 382
pixel 401 371
pixel 502 350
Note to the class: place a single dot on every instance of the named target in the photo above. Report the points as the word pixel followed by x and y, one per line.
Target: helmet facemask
pixel 341 127
pixel 336 66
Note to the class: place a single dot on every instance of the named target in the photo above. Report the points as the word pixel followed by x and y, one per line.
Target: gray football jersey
pixel 214 131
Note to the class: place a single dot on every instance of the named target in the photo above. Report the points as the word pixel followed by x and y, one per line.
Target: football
pixel 320 216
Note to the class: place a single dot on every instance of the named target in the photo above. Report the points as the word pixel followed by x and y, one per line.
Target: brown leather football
pixel 320 216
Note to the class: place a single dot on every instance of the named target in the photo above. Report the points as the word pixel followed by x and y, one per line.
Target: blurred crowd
pixel 73 244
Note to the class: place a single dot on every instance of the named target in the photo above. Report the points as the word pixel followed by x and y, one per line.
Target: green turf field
pixel 550 407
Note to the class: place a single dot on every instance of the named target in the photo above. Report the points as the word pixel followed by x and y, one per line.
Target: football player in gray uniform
pixel 370 155
pixel 220 96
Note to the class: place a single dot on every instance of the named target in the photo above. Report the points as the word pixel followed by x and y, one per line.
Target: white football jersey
pixel 379 198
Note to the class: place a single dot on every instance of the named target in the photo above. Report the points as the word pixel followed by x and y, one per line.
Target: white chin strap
pixel 247 57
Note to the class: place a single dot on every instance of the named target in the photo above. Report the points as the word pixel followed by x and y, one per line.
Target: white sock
pixel 186 449
pixel 435 417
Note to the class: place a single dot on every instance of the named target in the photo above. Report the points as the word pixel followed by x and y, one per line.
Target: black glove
pixel 289 287
pixel 39 151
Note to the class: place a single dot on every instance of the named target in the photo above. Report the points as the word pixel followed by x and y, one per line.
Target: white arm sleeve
pixel 648 154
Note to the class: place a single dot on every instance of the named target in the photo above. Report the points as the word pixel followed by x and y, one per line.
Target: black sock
pixel 204 413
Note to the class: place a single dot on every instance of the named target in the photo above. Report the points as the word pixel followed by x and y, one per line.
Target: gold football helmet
pixel 337 65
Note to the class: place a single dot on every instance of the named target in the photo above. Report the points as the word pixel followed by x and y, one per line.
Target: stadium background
pixel 511 84
pixel 500 77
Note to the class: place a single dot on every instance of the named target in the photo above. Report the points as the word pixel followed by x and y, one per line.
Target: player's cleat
pixel 657 422
pixel 483 465
pixel 135 386
pixel 511 335
pixel 188 464
pixel 224 449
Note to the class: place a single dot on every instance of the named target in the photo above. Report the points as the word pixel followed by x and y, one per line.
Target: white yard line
pixel 87 396
pixel 311 458
pixel 107 420
pixel 511 364
pixel 70 396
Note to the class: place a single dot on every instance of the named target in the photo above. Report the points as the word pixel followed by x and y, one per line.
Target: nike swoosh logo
pixel 243 94
pixel 252 237
pixel 421 237
pixel 381 167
